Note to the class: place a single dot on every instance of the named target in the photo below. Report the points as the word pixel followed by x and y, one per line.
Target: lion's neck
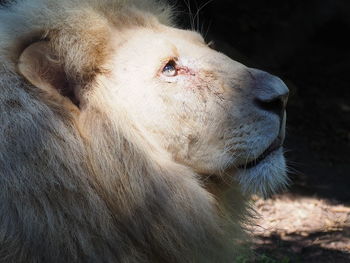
pixel 165 207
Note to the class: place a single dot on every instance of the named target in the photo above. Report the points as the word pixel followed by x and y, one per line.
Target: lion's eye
pixel 170 69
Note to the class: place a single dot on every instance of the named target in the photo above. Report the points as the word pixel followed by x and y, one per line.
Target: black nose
pixel 270 93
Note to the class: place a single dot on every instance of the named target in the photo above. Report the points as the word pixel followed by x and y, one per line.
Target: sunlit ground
pixel 300 229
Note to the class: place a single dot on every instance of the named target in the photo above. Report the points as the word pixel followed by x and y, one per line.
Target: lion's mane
pixel 88 187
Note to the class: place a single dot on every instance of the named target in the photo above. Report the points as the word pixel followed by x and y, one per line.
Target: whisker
pixel 197 15
pixel 191 17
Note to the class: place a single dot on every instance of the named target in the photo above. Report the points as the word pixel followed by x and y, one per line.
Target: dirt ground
pixel 301 229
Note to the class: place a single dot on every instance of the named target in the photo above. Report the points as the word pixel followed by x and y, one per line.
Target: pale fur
pixel 127 176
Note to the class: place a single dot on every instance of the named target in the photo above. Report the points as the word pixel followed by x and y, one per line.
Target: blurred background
pixel 307 44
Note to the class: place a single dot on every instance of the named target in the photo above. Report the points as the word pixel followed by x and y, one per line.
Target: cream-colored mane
pixel 80 180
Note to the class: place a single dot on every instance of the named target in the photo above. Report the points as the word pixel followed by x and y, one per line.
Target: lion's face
pixel 209 112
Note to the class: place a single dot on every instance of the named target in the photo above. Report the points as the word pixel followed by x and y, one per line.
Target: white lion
pixel 126 139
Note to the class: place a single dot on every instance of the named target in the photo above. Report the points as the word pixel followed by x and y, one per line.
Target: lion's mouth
pixel 275 145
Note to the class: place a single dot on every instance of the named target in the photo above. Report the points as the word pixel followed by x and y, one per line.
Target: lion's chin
pixel 266 176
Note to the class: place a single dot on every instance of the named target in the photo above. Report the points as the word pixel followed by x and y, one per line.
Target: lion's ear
pixel 40 66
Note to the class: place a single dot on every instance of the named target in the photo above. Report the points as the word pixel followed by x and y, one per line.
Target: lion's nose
pixel 270 92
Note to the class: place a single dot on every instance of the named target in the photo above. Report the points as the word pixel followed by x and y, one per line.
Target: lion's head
pixel 211 113
pixel 112 122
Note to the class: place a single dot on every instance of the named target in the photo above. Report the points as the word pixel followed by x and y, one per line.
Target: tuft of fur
pixel 88 187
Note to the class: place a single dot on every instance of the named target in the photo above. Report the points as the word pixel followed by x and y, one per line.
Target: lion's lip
pixel 275 145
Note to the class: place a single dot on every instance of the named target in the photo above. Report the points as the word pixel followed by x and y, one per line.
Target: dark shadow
pixel 315 247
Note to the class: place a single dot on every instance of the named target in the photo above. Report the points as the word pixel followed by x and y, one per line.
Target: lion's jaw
pixel 208 113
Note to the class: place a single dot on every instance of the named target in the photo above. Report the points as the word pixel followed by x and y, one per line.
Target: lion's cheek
pixel 199 148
